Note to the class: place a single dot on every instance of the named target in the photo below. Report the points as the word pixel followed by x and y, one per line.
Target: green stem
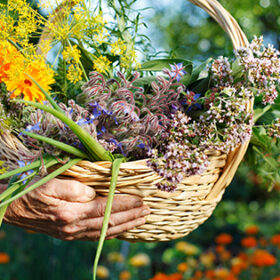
pixel 28 167
pixel 42 181
pixel 62 146
pixel 115 172
pixel 95 149
pixel 4 209
pixel 16 185
pixel 52 102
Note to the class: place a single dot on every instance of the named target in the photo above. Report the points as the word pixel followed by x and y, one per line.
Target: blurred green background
pixel 190 33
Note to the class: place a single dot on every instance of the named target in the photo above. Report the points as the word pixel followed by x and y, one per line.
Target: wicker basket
pixel 173 215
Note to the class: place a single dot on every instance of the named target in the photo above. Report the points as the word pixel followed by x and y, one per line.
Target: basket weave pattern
pixel 173 215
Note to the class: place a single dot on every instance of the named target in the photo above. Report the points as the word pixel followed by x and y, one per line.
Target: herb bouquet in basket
pixel 165 130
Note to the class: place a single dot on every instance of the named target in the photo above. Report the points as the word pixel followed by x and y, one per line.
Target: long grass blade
pixel 62 146
pixel 42 181
pixel 115 172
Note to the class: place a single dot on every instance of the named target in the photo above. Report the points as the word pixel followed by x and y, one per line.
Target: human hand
pixel 69 210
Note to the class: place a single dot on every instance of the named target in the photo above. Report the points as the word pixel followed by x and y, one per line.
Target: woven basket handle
pixel 225 20
pixel 238 38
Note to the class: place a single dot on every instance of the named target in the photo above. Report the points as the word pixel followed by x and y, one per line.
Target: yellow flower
pixel 71 53
pixel 19 83
pixel 140 260
pixel 118 47
pixel 101 64
pixel 207 259
pixel 115 257
pixel 2 169
pixel 187 248
pixel 102 272
pixel 128 59
pixel 74 73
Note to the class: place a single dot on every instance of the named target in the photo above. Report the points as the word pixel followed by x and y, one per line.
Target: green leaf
pixel 42 181
pixel 95 149
pixel 258 112
pixel 201 86
pixel 237 69
pixel 144 81
pixel 115 171
pixel 159 64
pixel 200 72
pixel 62 146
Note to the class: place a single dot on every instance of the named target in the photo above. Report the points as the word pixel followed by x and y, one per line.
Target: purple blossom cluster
pixel 223 126
pixel 262 68
pixel 221 72
pixel 179 157
pixel 137 119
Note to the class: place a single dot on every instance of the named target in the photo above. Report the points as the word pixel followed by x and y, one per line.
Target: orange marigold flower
pixel 243 256
pixel 221 273
pixel 237 265
pixel 249 242
pixel 182 267
pixel 175 276
pixel 210 274
pixel 198 274
pixel 275 240
pixel 224 239
pixel 18 81
pixel 251 230
pixel 8 55
pixel 262 258
pixel 162 276
pixel 276 278
pixel 220 249
pixel 125 275
pixel 230 277
pixel 4 258
pixel 225 255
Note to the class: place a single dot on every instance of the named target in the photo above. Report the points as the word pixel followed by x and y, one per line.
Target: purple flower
pixel 23 175
pixel 177 71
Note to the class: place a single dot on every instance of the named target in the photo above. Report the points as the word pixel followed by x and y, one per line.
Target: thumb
pixel 69 190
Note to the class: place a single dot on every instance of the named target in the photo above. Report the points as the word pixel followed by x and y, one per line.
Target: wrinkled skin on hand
pixel 69 210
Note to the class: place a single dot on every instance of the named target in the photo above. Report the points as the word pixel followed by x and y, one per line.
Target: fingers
pixel 111 233
pixel 115 219
pixel 69 190
pixel 96 208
